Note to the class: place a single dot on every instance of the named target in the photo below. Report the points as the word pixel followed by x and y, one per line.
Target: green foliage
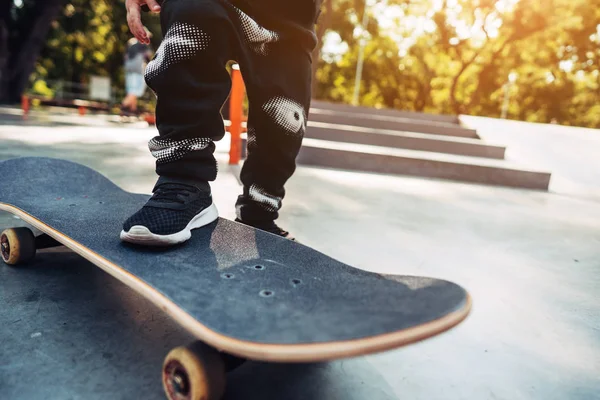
pixel 439 56
pixel 89 38
pixel 455 56
pixel 41 88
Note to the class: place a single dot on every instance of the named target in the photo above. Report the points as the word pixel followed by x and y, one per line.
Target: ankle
pixel 202 186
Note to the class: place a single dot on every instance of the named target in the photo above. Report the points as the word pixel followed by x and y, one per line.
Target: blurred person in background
pixel 137 57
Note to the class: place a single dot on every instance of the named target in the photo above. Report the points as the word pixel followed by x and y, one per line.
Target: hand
pixel 134 17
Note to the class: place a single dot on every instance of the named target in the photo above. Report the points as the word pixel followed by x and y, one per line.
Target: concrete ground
pixel 570 153
pixel 531 261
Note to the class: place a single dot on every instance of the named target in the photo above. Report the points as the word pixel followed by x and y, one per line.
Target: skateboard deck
pixel 240 290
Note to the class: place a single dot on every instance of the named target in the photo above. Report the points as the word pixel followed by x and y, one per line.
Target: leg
pixel 191 83
pixel 133 104
pixel 126 101
pixel 134 86
pixel 278 80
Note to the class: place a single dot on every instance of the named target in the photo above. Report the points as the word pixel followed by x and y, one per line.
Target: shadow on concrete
pixel 340 380
pixel 86 335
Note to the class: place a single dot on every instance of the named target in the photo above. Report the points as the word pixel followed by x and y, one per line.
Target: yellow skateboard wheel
pixel 194 372
pixel 17 246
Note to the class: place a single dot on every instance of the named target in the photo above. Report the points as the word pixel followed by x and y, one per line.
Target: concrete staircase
pixel 408 143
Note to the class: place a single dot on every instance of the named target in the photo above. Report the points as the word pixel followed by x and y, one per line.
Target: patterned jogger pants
pixel 189 77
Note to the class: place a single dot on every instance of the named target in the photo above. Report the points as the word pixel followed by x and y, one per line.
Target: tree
pixel 455 56
pixel 324 23
pixel 89 38
pixel 437 56
pixel 23 31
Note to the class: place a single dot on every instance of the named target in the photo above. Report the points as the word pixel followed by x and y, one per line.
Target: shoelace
pixel 172 192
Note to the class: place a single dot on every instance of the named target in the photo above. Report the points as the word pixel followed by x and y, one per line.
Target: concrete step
pixel 403 140
pixel 366 158
pixel 390 123
pixel 325 105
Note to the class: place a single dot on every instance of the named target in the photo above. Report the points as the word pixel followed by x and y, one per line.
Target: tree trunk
pixel 424 94
pixel 5 9
pixel 454 104
pixel 26 45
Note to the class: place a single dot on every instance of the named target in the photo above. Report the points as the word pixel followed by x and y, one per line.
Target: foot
pixel 270 227
pixel 170 215
pixel 125 111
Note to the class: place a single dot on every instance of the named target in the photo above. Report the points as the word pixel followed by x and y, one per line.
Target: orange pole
pixel 236 102
pixel 25 105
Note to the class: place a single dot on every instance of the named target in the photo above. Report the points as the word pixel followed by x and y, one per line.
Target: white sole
pixel 141 235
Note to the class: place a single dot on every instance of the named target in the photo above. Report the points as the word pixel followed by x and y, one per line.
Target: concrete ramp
pixel 409 143
pixel 419 163
pixel 393 123
pixel 403 140
pixel 338 107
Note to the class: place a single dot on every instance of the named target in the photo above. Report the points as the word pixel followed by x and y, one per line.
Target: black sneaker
pixel 270 227
pixel 169 216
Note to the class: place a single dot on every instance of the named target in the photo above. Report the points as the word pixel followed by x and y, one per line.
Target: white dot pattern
pixel 181 42
pixel 268 201
pixel 167 150
pixel 251 137
pixel 287 114
pixel 257 37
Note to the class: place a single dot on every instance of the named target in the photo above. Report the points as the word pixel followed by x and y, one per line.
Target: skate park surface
pixel 530 259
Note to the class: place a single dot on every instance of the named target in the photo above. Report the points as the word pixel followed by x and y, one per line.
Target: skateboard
pixel 243 293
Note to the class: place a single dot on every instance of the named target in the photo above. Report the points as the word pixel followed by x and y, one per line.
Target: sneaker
pixel 270 227
pixel 170 215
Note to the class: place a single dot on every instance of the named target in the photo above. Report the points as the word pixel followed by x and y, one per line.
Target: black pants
pixel 188 74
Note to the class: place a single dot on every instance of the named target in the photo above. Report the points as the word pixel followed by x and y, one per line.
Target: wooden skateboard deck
pixel 240 290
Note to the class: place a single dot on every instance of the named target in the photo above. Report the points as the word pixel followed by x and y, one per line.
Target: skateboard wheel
pixel 194 372
pixel 17 246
